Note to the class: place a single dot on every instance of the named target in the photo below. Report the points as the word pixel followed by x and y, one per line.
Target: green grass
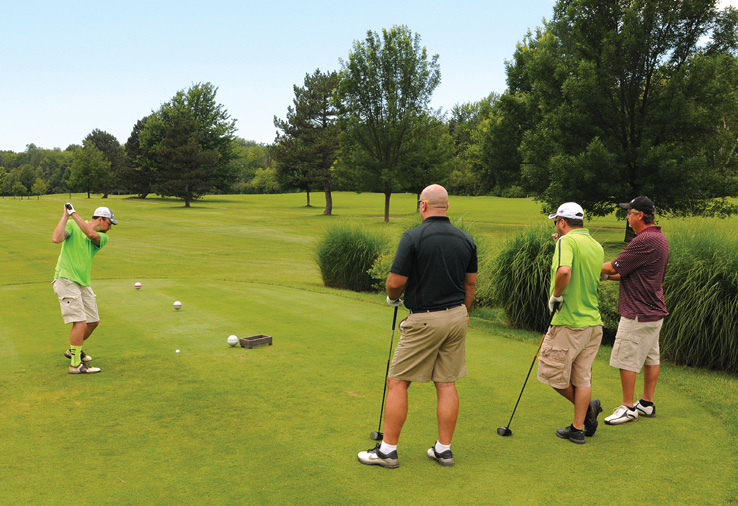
pixel 282 424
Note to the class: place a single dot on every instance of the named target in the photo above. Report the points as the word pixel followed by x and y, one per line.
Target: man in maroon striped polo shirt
pixel 640 268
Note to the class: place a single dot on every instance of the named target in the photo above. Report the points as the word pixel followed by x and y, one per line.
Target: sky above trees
pixel 71 67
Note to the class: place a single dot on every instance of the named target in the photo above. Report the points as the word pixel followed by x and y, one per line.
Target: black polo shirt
pixel 435 256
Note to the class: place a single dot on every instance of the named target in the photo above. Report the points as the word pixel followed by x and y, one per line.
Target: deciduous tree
pixel 627 99
pixel 191 125
pixel 88 169
pixel 385 90
pixel 113 152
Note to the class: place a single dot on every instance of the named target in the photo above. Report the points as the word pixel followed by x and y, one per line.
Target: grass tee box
pixel 250 342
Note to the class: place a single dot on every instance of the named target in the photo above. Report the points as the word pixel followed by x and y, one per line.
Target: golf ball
pixel 177 352
pixel 137 285
pixel 232 340
pixel 177 304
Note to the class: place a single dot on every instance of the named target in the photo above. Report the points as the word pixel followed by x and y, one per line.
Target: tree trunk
pixel 187 196
pixel 387 195
pixel 328 199
pixel 307 192
pixel 629 232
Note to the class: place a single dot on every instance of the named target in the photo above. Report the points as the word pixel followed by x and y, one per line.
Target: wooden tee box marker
pixel 250 342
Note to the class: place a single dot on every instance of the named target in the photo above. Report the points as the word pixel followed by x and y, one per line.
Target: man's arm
pixel 612 274
pixel 395 285
pixel 87 229
pixel 59 233
pixel 563 277
pixel 470 286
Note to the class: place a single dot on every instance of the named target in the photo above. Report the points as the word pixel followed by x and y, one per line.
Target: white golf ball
pixel 177 305
pixel 137 285
pixel 177 352
pixel 232 340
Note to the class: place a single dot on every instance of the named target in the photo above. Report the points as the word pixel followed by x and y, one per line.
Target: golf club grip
pixel 394 319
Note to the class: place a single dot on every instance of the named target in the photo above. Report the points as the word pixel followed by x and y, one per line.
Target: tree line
pixel 605 101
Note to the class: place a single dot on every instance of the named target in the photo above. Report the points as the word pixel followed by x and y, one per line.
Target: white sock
pixel 442 448
pixel 387 449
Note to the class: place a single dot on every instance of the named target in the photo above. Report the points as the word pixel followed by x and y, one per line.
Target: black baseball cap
pixel 643 204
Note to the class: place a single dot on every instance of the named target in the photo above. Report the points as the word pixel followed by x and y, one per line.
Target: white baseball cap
pixel 570 210
pixel 105 212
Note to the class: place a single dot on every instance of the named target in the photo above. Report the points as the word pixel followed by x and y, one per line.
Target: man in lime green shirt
pixel 571 343
pixel 80 240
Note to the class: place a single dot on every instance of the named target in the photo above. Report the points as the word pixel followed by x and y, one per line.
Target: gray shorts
pixel 78 303
pixel 636 344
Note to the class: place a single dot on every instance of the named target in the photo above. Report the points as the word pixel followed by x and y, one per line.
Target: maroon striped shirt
pixel 642 266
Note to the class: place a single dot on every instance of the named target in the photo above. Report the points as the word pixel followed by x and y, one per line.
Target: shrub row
pixel 701 285
pixel 701 291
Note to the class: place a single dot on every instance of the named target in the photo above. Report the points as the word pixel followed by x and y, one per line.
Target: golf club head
pixel 504 431
pixel 376 436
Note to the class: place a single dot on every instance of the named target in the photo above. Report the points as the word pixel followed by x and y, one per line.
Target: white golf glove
pixel 394 302
pixel 70 208
pixel 604 277
pixel 553 300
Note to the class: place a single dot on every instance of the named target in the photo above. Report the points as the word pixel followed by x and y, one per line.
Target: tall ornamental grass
pixel 701 291
pixel 345 254
pixel 521 274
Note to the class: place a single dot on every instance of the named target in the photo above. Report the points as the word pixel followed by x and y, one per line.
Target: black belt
pixel 412 311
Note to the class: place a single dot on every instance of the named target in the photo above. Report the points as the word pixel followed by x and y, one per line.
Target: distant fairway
pixel 282 424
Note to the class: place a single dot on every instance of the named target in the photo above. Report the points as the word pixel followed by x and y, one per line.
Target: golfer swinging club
pixel 81 240
pixel 436 266
pixel 571 343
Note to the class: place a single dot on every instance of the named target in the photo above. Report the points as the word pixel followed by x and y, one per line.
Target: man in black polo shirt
pixel 436 266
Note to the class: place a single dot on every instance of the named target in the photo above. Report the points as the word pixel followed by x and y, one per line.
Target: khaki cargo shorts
pixel 78 303
pixel 432 347
pixel 636 344
pixel 567 355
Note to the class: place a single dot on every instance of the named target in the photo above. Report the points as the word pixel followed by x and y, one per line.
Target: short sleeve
pixel 403 262
pixel 103 239
pixel 564 252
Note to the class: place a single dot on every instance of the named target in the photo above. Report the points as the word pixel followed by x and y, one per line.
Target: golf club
pixel 505 431
pixel 378 435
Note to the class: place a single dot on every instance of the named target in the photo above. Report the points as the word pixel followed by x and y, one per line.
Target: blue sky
pixel 71 67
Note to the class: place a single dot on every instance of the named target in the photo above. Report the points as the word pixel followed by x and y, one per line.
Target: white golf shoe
pixel 647 411
pixel 622 414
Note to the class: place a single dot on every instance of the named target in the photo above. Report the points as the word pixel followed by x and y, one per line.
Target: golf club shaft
pixel 553 313
pixel 384 393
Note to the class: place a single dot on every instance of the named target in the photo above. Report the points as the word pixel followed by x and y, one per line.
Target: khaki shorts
pixel 636 344
pixel 78 303
pixel 432 347
pixel 567 355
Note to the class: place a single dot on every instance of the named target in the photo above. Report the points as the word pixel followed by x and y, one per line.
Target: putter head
pixel 376 436
pixel 504 431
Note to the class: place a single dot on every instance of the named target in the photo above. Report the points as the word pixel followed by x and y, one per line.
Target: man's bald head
pixel 436 198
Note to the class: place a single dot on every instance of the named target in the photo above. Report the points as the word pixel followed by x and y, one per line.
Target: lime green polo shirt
pixel 75 259
pixel 579 251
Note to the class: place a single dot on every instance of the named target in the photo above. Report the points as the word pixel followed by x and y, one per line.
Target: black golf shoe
pixel 590 422
pixel 572 434
pixel 444 458
pixel 373 457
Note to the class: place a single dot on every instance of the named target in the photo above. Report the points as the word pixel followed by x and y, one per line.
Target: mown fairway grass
pixel 282 424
